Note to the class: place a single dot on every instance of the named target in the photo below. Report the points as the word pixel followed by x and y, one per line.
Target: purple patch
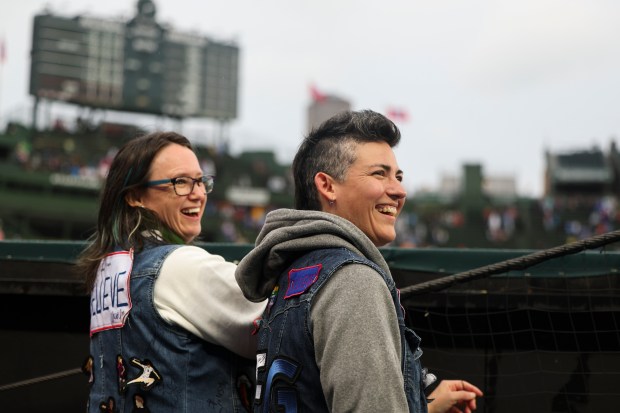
pixel 300 279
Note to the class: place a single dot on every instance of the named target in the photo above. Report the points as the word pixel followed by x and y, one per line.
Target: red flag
pixel 317 96
pixel 397 114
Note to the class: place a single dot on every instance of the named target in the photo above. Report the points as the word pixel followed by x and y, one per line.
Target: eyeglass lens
pixel 185 185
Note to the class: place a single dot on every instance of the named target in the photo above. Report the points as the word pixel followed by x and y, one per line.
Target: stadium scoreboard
pixel 133 66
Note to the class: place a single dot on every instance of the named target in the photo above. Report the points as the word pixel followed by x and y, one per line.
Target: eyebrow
pixel 188 175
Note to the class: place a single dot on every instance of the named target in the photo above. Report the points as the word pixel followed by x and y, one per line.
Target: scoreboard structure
pixel 134 66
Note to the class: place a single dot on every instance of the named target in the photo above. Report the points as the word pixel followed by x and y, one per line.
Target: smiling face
pixel 371 195
pixel 182 214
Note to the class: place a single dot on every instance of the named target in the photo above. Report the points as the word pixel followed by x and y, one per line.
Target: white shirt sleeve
pixel 197 291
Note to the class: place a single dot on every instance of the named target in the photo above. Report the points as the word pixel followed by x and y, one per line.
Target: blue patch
pixel 300 279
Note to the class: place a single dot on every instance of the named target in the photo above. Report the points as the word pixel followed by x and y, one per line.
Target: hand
pixel 454 396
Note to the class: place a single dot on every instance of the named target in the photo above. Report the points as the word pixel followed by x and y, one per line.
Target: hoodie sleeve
pixel 357 343
pixel 198 292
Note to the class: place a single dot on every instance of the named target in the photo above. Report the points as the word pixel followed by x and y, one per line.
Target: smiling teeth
pixel 387 210
pixel 191 210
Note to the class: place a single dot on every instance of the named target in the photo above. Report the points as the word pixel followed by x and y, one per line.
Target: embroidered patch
pixel 280 385
pixel 244 389
pixel 261 360
pixel 257 323
pixel 139 403
pixel 87 369
pixel 428 378
pixel 121 371
pixel 110 301
pixel 108 407
pixel 300 279
pixel 149 376
pixel 272 299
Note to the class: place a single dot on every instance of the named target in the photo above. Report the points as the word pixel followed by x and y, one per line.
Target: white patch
pixel 110 300
pixel 261 359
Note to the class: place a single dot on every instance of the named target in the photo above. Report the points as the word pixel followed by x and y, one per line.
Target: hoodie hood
pixel 288 234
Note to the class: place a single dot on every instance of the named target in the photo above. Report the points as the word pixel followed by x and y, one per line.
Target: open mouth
pixel 387 210
pixel 191 212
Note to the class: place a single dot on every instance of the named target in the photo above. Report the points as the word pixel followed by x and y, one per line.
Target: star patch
pixel 300 279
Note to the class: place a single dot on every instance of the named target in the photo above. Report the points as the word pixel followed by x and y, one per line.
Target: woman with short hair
pixel 333 336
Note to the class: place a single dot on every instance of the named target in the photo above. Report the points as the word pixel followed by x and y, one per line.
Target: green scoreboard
pixel 134 66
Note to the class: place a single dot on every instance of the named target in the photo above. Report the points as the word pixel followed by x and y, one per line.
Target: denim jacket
pixel 287 375
pixel 149 364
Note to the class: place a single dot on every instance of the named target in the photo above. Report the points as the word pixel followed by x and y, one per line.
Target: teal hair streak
pixel 116 229
pixel 116 220
pixel 171 236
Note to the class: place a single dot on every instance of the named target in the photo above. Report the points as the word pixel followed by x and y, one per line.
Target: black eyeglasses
pixel 184 185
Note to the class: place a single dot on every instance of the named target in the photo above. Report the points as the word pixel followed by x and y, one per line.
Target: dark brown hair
pixel 120 225
pixel 331 148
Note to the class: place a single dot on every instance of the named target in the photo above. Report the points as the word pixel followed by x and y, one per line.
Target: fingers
pixel 455 409
pixel 465 385
pixel 455 396
pixel 471 406
pixel 463 407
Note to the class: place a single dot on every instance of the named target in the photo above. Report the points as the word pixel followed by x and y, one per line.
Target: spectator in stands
pixel 169 324
pixel 333 336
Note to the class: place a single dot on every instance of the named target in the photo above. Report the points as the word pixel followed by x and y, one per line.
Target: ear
pixel 325 186
pixel 134 199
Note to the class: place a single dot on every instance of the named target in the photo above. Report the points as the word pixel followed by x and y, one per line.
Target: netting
pixel 540 337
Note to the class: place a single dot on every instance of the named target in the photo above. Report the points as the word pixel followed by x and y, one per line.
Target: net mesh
pixel 541 339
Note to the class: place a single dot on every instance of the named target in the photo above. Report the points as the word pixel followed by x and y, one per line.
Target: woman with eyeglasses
pixel 170 327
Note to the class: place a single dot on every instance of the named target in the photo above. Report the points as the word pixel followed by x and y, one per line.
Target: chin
pixel 189 237
pixel 383 241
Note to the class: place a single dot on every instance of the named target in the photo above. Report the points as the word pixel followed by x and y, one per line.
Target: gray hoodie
pixel 353 320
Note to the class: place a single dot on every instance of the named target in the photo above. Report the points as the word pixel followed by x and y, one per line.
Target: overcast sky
pixel 495 82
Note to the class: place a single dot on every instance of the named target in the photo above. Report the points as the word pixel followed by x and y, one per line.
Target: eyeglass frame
pixel 207 181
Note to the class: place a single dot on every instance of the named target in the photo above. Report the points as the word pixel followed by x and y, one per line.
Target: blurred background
pixel 509 113
pixel 508 109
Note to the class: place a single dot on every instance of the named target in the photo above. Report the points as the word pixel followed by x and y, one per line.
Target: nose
pixel 198 191
pixel 396 190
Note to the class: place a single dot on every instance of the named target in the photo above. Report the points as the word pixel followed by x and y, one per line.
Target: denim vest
pixel 287 375
pixel 150 364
